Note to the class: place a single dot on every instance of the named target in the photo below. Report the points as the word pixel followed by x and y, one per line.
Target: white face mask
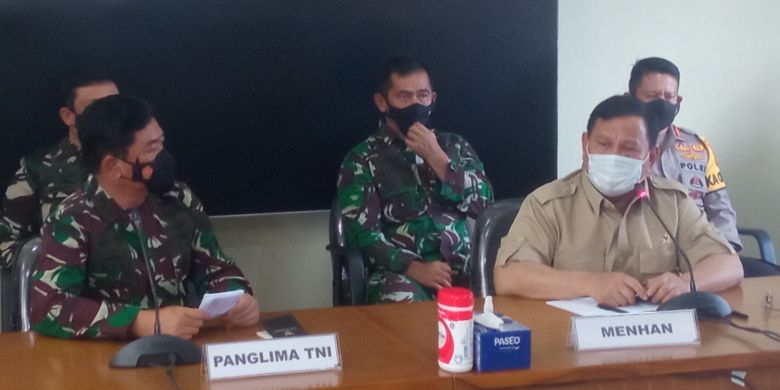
pixel 612 174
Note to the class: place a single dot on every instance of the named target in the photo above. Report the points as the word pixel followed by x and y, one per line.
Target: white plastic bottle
pixel 456 329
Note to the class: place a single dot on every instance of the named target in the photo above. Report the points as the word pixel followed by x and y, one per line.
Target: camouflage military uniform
pixel 688 158
pixel 44 179
pixel 397 211
pixel 91 281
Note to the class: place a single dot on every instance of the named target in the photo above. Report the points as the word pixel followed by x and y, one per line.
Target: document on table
pixel 587 306
pixel 217 304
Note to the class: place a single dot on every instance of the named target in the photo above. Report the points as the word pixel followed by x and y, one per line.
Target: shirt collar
pixel 671 135
pixel 68 148
pixel 105 206
pixel 388 136
pixel 591 193
pixel 677 133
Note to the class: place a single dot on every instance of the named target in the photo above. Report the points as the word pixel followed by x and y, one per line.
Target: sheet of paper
pixel 217 304
pixel 587 306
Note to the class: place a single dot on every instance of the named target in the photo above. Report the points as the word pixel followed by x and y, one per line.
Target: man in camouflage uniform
pixel 47 176
pixel 686 156
pixel 405 193
pixel 91 278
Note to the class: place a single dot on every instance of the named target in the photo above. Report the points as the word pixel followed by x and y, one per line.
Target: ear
pixel 679 99
pixel 109 166
pixel 652 156
pixel 380 102
pixel 68 117
pixel 433 97
pixel 584 141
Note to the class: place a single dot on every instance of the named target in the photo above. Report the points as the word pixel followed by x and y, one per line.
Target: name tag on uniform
pixel 268 357
pixel 655 328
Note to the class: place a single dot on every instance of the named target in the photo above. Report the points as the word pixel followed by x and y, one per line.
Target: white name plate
pixel 655 328
pixel 268 357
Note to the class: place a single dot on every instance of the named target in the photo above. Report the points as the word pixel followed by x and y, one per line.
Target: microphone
pixel 641 194
pixel 158 349
pixel 706 304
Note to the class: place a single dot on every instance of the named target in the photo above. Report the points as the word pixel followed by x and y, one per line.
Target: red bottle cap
pixel 455 297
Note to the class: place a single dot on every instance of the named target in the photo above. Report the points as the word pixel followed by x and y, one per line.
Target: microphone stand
pixel 157 349
pixel 706 304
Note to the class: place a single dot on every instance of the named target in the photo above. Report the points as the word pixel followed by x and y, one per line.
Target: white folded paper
pixel 217 304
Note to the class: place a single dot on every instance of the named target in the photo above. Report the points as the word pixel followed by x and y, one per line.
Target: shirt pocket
pixel 111 263
pixel 659 260
pixel 402 197
pixel 579 260
pixel 404 205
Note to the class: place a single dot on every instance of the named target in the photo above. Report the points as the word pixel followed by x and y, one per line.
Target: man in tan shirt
pixel 593 233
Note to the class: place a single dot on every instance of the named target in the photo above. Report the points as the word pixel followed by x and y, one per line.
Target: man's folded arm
pixel 212 270
pixel 465 183
pixel 716 265
pixel 530 279
pixel 718 272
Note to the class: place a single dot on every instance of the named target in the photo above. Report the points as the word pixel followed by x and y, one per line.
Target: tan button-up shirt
pixel 567 224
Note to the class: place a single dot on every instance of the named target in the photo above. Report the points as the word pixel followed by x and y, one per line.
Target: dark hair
pixel 401 66
pixel 622 105
pixel 82 79
pixel 651 65
pixel 108 126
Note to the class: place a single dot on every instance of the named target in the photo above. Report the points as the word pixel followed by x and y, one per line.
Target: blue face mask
pixel 613 174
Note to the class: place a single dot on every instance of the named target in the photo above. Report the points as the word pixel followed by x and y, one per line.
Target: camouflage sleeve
pixel 211 270
pixel 465 182
pixel 19 214
pixel 361 207
pixel 57 307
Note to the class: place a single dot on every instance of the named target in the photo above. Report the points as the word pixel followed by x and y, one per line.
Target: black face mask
pixel 405 117
pixel 157 175
pixel 664 112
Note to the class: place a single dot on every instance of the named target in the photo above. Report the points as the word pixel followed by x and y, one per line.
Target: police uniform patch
pixel 696 182
pixel 693 156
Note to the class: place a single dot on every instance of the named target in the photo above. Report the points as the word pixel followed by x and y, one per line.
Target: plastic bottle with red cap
pixel 456 329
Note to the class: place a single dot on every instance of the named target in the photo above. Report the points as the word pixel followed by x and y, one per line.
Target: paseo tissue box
pixel 504 346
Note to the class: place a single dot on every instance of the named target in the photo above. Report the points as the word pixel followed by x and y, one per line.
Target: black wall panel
pixel 260 100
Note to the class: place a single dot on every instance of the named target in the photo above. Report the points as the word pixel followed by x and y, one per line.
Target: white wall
pixel 728 52
pixel 283 256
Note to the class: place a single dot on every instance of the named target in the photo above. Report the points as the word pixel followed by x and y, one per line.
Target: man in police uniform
pixel 405 193
pixel 685 156
pixel 593 232
pixel 47 176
